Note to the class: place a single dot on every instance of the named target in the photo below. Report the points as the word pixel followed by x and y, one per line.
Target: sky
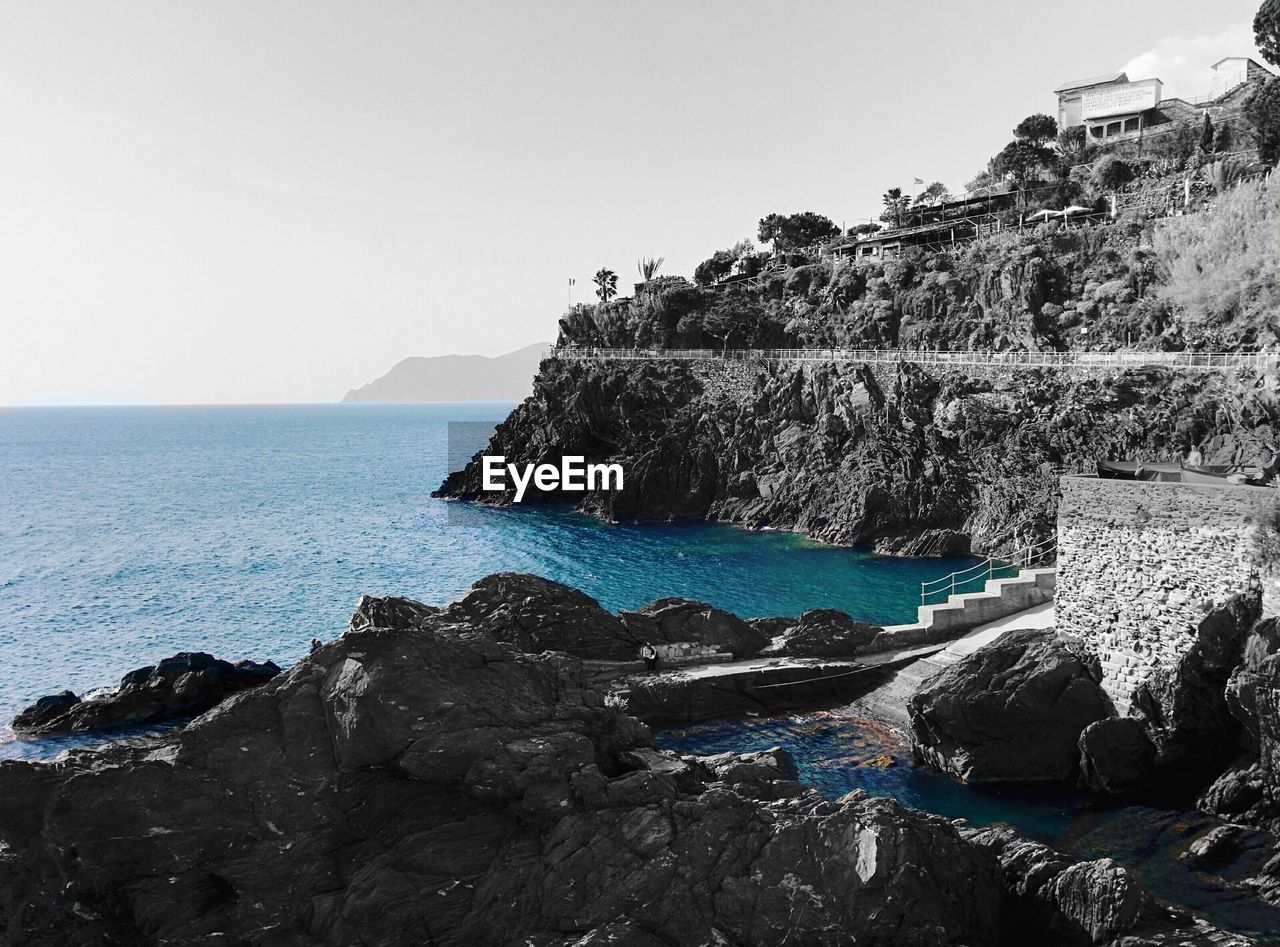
pixel 246 201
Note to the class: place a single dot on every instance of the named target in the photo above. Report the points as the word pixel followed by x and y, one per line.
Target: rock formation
pixel 678 619
pixel 917 461
pixel 1249 790
pixel 1051 898
pixel 818 633
pixel 1180 729
pixel 180 686
pixel 1011 711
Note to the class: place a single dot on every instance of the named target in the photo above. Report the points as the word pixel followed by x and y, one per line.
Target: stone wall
pixel 1140 563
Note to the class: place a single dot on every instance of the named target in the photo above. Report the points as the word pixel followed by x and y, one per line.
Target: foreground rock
pixel 1053 899
pixel 180 686
pixel 819 633
pixel 1185 722
pixel 1011 711
pixel 537 614
pixel 1249 790
pixel 678 619
pixel 434 785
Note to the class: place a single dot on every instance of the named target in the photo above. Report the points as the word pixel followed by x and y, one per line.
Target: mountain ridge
pixel 454 378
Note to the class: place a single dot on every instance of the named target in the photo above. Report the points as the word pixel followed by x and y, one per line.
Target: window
pixel 1132 124
pixel 1113 128
pixel 1096 131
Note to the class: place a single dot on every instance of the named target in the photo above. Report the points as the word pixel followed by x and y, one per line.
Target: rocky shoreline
pixel 450 775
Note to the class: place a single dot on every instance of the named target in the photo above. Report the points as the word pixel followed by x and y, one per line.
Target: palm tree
pixel 606 284
pixel 894 203
pixel 649 266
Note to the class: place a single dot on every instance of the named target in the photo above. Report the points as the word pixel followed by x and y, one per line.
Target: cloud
pixel 1183 63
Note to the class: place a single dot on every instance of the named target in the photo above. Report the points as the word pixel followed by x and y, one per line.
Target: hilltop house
pixel 1112 107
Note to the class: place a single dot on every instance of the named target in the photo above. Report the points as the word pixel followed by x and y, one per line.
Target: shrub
pixel 1111 173
pixel 796 231
pixel 1219 267
pixel 714 269
pixel 1262 112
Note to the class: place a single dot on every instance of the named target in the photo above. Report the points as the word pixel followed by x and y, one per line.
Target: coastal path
pixel 1186 361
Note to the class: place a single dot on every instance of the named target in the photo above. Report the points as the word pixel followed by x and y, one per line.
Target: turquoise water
pixel 836 754
pixel 127 534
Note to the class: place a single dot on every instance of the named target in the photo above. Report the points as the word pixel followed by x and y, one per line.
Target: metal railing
pixel 974 578
pixel 1201 361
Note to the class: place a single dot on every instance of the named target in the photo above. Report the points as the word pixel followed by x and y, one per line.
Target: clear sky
pixel 265 201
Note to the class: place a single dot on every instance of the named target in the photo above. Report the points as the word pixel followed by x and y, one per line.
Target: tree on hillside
pixel 1206 134
pixel 984 182
pixel 1266 31
pixel 606 284
pixel 935 193
pixel 795 231
pixel 1021 162
pixel 715 268
pixel 649 266
pixel 1039 129
pixel 895 205
pixel 1262 111
pixel 1072 146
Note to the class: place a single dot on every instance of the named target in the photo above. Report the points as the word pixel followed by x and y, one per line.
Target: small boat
pixel 1218 474
pixel 1209 475
pixel 1135 470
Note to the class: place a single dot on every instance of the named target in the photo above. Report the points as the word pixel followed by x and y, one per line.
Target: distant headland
pixel 451 378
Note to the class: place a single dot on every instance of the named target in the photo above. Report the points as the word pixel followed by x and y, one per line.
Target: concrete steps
pixel 960 613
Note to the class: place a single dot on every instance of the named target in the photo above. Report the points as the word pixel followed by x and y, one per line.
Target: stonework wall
pixel 1140 563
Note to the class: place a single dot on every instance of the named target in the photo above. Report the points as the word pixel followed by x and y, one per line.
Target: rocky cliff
pixel 913 460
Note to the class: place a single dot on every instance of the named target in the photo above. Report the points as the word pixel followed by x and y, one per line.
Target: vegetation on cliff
pixel 1205 281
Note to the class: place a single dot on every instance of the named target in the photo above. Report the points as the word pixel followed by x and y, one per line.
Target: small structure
pixel 936 227
pixel 1071 94
pixel 1111 107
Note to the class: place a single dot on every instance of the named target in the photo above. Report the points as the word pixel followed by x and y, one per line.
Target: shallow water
pixel 836 754
pixel 127 534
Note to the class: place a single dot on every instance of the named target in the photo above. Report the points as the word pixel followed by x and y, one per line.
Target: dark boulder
pixel 536 615
pixel 1054 899
pixel 390 612
pixel 818 633
pixel 1249 790
pixel 1010 711
pixel 1116 755
pixel 1185 710
pixel 180 686
pixel 1242 688
pixel 679 619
